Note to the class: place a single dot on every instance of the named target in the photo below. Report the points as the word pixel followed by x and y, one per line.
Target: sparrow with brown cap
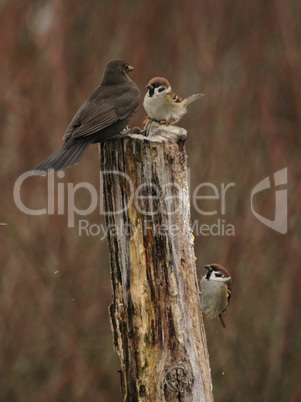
pixel 164 106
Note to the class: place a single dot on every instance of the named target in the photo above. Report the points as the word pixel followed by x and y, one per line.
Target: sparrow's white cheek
pixel 158 93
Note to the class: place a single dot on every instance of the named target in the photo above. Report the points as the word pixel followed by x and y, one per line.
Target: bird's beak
pixel 130 68
pixel 207 267
pixel 149 86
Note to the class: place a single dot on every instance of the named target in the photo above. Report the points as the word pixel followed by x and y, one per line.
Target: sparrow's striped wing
pixel 228 284
pixel 174 97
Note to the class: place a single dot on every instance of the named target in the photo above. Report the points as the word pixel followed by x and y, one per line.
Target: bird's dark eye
pixel 161 89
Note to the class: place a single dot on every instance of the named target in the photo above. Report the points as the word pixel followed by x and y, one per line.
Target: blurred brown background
pixel 55 339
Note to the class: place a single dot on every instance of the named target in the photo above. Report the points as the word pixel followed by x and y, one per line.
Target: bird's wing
pixel 101 110
pixel 228 293
pixel 91 119
pixel 174 97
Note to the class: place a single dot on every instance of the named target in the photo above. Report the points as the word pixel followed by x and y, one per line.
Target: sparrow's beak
pixel 130 68
pixel 149 86
pixel 207 267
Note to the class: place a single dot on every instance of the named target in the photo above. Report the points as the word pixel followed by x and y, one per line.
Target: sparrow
pixel 215 292
pixel 103 116
pixel 162 105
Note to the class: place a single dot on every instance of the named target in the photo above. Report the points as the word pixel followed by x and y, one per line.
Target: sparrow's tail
pixel 192 98
pixel 64 157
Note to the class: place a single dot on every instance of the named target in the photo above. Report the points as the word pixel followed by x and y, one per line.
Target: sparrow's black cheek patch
pixel 151 92
pixel 161 89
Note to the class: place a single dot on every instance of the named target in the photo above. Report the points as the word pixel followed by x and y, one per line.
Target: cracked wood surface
pixel 155 312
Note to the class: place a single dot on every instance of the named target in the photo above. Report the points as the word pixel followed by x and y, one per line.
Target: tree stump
pixel 155 313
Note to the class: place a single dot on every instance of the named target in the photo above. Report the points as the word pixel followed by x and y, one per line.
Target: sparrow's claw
pixel 146 120
pixel 166 122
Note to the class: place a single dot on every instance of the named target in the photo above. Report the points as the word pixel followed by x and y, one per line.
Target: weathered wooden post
pixel 155 313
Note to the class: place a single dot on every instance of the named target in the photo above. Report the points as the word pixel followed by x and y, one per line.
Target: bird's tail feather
pixel 192 98
pixel 64 157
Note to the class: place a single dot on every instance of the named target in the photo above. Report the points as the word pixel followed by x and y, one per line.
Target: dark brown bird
pixel 103 116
